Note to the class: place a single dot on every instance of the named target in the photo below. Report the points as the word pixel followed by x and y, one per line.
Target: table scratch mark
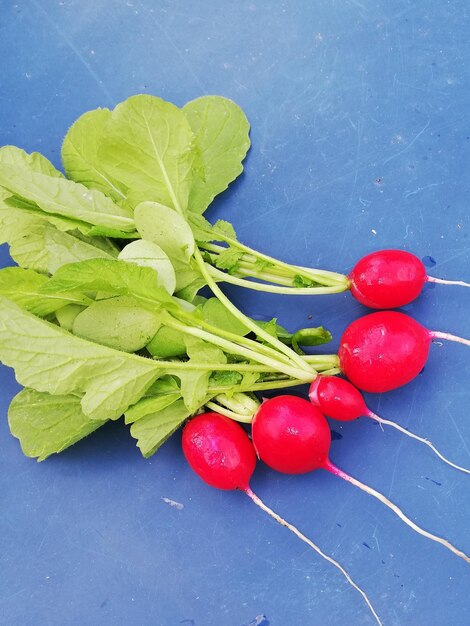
pixel 76 51
pixel 408 146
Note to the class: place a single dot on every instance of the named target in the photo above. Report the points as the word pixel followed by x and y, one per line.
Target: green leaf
pixel 224 229
pixel 62 197
pixel 37 244
pixel 225 378
pixel 302 281
pixel 148 254
pixel 222 139
pixel 216 314
pixel 229 259
pixel 311 337
pixel 165 227
pixel 47 424
pixel 153 430
pixel 113 278
pixel 148 148
pixel 145 406
pixel 11 155
pixel 67 314
pixel 118 323
pixel 194 383
pixel 47 358
pixel 167 343
pixel 24 287
pixel 80 154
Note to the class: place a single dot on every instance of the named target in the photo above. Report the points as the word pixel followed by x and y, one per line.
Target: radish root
pixel 381 421
pixel 310 543
pixel 442 281
pixel 372 492
pixel 437 334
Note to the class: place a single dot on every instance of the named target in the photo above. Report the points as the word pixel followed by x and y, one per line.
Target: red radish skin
pixel 388 279
pixel 284 449
pixel 219 451
pixel 386 350
pixel 339 399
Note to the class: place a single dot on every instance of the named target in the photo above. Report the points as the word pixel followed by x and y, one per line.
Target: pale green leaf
pixel 166 228
pixel 216 314
pixel 145 406
pixel 222 139
pixel 167 343
pixel 47 424
pixel 62 197
pixel 47 358
pixel 194 383
pixel 23 286
pixel 118 323
pixel 11 155
pixel 37 244
pixel 148 148
pixel 80 154
pixel 148 254
pixel 112 277
pixel 153 430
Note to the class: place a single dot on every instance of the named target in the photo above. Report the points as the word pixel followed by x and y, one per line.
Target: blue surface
pixel 360 131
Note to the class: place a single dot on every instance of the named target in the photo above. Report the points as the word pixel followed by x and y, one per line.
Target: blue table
pixel 360 132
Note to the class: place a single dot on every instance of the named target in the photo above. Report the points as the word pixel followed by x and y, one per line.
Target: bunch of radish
pixel 378 352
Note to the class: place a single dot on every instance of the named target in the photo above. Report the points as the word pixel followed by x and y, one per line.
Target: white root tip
pixel 312 545
pixel 381 421
pixel 442 281
pixel 381 498
pixel 437 334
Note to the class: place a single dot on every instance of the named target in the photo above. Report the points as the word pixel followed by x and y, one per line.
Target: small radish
pixel 388 279
pixel 339 399
pixel 220 452
pixel 292 436
pixel 385 350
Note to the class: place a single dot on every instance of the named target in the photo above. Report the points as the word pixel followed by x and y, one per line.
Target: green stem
pixel 228 413
pixel 238 339
pixel 234 348
pixel 322 276
pixel 246 320
pixel 248 284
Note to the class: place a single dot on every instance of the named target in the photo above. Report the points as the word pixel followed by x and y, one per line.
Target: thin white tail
pixel 437 334
pixel 376 494
pixel 310 543
pixel 381 420
pixel 442 281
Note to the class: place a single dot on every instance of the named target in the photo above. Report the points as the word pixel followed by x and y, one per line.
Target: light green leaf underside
pixel 194 384
pixel 147 147
pixel 222 141
pixel 148 254
pixel 47 358
pixel 47 424
pixel 80 154
pixel 154 429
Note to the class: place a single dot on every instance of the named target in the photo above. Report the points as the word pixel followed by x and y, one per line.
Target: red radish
pixel 339 399
pixel 286 427
pixel 220 452
pixel 385 350
pixel 388 279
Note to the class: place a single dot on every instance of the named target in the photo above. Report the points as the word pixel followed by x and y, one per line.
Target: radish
pixel 391 278
pixel 339 399
pixel 220 452
pixel 292 436
pixel 385 350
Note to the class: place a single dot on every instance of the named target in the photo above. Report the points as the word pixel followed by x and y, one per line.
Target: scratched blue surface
pixel 360 131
